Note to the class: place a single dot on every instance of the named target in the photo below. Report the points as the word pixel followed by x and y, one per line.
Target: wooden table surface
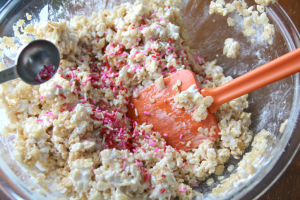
pixel 287 186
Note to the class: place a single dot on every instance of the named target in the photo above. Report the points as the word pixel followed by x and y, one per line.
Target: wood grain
pixel 287 187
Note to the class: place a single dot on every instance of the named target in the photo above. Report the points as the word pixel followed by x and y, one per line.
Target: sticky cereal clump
pixel 231 48
pixel 75 128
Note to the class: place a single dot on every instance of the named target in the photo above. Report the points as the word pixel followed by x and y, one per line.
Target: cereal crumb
pixel 221 177
pixel 260 8
pixel 28 16
pixel 176 85
pixel 151 100
pixel 249 31
pixel 210 181
pixel 230 168
pixel 283 125
pixel 192 99
pixel 231 48
pixel 252 40
pixel 219 170
pixel 188 143
pixel 230 21
pixel 268 33
pixel 160 82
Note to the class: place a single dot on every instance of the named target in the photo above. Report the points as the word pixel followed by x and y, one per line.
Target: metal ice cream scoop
pixel 37 62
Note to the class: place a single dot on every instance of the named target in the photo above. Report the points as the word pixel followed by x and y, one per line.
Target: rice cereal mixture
pixel 72 132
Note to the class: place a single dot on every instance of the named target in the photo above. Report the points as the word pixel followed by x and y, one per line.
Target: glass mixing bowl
pixel 270 106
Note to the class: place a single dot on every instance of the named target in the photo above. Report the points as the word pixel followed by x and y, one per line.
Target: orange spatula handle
pixel 273 71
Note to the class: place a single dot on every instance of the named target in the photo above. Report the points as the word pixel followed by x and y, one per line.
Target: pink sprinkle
pixel 146 136
pixel 183 165
pixel 169 147
pixel 41 97
pixel 156 26
pixel 123 158
pixel 149 49
pixel 71 84
pixel 39 120
pixel 81 59
pixel 181 191
pixel 138 163
pixel 124 165
pixel 164 53
pixel 88 138
pixel 160 19
pixel 105 32
pixel 51 114
pixel 163 73
pixel 180 137
pixel 150 188
pixel 147 178
pixel 165 135
pixel 154 13
pixel 89 78
pixel 152 143
pixel 83 83
pixel 59 70
pixel 105 146
pixel 46 115
pixel 116 28
pixel 170 49
pixel 165 101
pixel 195 185
pixel 154 58
pixel 155 150
pixel 151 40
pixel 184 188
pixel 158 155
pixel 72 74
pixel 58 86
pixel 146 113
pixel 83 101
pixel 111 53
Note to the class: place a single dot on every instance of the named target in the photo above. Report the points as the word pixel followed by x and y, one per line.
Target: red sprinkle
pixel 162 190
pixel 62 96
pixel 104 102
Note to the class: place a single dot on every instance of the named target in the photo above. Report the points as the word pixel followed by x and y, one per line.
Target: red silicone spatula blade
pixel 169 120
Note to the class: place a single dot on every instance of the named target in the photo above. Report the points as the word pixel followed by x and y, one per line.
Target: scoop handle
pixel 8 74
pixel 271 72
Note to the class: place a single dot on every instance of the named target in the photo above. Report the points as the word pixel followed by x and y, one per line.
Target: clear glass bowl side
pixel 269 106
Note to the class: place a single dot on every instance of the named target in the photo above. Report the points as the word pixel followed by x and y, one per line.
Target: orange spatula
pixel 177 126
